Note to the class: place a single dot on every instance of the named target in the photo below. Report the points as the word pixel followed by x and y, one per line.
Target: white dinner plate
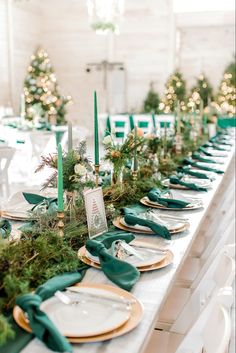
pixel 150 257
pixel 204 183
pixel 88 317
pixel 170 224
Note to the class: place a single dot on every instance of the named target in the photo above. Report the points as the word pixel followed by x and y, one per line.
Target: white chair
pixel 119 126
pixel 163 120
pixel 78 134
pixel 210 333
pixel 217 229
pixel 183 305
pixel 145 122
pixel 6 155
pixel 39 141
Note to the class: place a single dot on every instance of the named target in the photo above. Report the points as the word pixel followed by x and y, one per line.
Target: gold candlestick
pixel 60 224
pixel 97 174
pixel 134 175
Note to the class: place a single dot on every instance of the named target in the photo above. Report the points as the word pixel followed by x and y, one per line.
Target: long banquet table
pixel 153 287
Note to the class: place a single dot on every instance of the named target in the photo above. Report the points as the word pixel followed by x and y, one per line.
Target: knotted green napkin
pixel 197 156
pixel 132 218
pixel 195 164
pixel 5 228
pixel 177 181
pixel 41 203
pixel 214 146
pixel 220 141
pixel 207 153
pixel 40 324
pixel 155 195
pixel 187 170
pixel 120 272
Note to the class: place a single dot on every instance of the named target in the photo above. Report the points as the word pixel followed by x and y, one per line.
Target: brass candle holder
pixel 134 175
pixel 60 224
pixel 96 166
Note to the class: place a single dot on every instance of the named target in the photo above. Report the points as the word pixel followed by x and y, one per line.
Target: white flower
pixel 80 169
pixel 107 140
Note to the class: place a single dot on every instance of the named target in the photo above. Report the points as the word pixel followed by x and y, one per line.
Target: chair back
pixel 119 126
pixel 163 121
pixel 6 155
pixel 220 273
pixel 145 122
pixel 211 332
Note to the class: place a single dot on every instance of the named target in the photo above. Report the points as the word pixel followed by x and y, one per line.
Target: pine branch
pixel 49 181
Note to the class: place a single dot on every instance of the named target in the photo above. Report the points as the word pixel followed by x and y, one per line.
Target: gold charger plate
pixel 145 201
pixel 168 184
pixel 116 222
pixel 13 216
pixel 135 317
pixel 165 262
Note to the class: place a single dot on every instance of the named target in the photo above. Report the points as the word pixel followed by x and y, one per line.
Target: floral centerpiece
pixel 77 170
pixel 121 155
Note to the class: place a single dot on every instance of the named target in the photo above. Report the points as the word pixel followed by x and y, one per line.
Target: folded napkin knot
pixel 177 181
pixel 94 247
pixel 41 203
pixel 29 301
pixel 188 171
pixel 197 156
pixel 120 272
pixel 132 217
pixel 189 161
pixel 155 196
pixel 5 228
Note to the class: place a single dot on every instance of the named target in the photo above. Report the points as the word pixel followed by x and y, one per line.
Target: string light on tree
pixel 41 90
pixel 202 91
pixel 226 97
pixel 175 92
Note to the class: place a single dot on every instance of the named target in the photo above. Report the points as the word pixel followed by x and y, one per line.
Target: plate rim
pixel 158 265
pixel 128 314
pixel 135 318
pixel 146 203
pixel 138 267
pixel 116 222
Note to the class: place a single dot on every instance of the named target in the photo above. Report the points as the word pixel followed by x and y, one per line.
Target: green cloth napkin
pixel 220 141
pixel 214 146
pixel 195 164
pixel 120 272
pixel 186 170
pixel 41 203
pixel 197 156
pixel 132 218
pixel 155 195
pixel 207 153
pixel 177 181
pixel 5 228
pixel 40 324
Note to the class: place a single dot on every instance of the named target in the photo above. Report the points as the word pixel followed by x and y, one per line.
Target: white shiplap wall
pixel 146 45
pixel 20 27
pixel 206 44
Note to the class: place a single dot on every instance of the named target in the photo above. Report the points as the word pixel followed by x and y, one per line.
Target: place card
pixel 95 212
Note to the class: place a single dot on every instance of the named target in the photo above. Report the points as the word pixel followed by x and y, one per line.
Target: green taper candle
pixel 96 140
pixel 60 179
pixel 135 150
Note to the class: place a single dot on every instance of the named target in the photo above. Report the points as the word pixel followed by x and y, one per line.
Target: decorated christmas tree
pixel 202 91
pixel 175 92
pixel 227 92
pixel 152 101
pixel 41 91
